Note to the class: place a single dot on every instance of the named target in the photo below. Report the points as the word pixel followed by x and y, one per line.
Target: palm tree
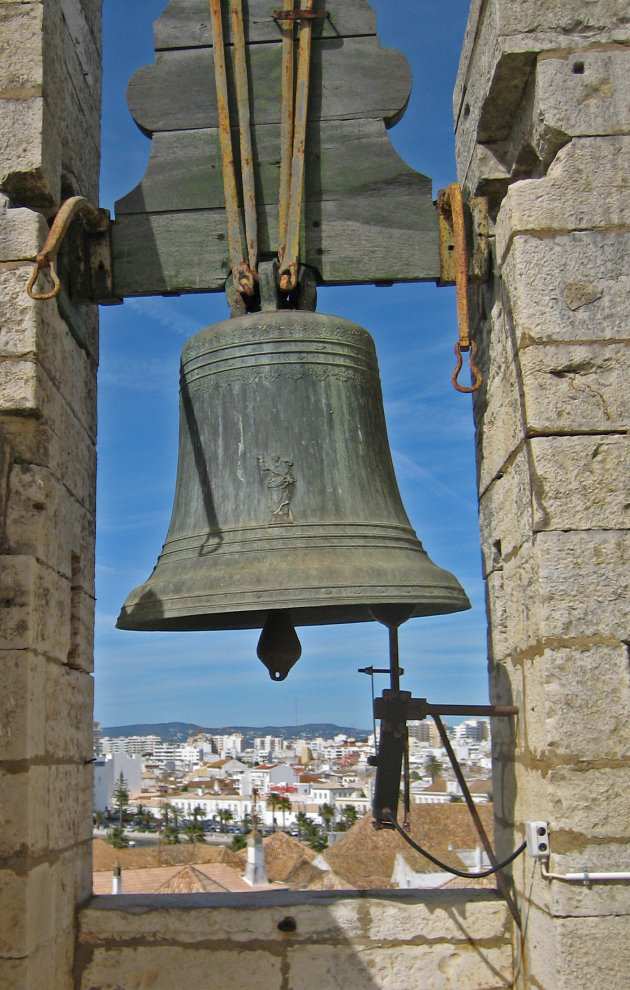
pixel 284 805
pixel 225 816
pixel 327 812
pixel 349 815
pixel 433 767
pixel 273 802
pixel 303 822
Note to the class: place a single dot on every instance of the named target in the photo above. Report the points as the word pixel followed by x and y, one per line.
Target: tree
pixel 225 816
pixel 349 815
pixel 193 830
pixel 117 838
pixel 273 802
pixel 171 832
pixel 239 841
pixel 433 767
pixel 121 797
pixel 284 805
pixel 327 812
pixel 303 822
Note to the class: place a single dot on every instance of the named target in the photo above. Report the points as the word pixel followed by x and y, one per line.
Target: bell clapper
pixel 279 647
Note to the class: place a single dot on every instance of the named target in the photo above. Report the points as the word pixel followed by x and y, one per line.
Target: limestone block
pixel 17 576
pixel 23 812
pixel 20 391
pixel 81 652
pixel 22 234
pixel 70 804
pixel 515 611
pixel 592 952
pixel 36 607
pixel 6 460
pixel 32 330
pixel 584 585
pixel 30 153
pixel 580 95
pixel 161 968
pixel 505 513
pixel 82 40
pixel 571 287
pixel 586 188
pixel 583 704
pixel 503 39
pixel 580 482
pixel 71 880
pixel 478 920
pixel 576 388
pixel 69 700
pixel 26 911
pixel 22 704
pixel 21 49
pixel 592 802
pixel 439 966
pixel 499 645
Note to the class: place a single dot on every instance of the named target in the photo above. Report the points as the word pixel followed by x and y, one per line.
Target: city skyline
pixel 215 678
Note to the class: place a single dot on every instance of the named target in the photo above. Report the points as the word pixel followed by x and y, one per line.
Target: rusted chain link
pixel 244 277
pixel 453 200
pixel 45 260
pixel 289 247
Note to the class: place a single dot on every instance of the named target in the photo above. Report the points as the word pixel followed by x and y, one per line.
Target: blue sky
pixel 215 678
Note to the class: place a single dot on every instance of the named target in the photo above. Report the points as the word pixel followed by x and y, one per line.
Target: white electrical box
pixel 537 837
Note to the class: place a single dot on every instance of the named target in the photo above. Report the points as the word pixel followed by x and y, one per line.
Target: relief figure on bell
pixel 280 484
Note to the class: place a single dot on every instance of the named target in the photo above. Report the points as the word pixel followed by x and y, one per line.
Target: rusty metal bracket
pixel 301 15
pixel 454 243
pixel 84 253
pixel 476 224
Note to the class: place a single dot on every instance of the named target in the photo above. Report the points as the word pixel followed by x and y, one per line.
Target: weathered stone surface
pixel 22 704
pixel 514 602
pixel 580 95
pixel 586 188
pixel 576 388
pixel 505 512
pixel 439 966
pixel 419 922
pixel 20 49
pixel 593 801
pixel 30 153
pixel 580 482
pixel 592 723
pixel 22 234
pixel 69 703
pixel 19 387
pixel 23 812
pixel 26 910
pixel 70 808
pixel 503 40
pixel 584 584
pixel 161 968
pixel 570 287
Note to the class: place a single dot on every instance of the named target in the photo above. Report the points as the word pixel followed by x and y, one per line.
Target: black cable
pixel 451 869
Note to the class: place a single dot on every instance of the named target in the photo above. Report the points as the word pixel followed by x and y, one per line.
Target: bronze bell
pixel 286 509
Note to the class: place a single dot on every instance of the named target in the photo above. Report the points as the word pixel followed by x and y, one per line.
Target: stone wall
pixel 49 149
pixel 543 128
pixel 370 941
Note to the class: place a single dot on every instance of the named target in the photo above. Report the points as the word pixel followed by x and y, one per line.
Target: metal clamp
pixel 94 220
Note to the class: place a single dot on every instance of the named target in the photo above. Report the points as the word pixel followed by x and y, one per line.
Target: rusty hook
pixel 474 370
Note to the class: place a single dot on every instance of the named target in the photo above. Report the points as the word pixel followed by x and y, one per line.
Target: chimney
pixel 117 879
pixel 255 870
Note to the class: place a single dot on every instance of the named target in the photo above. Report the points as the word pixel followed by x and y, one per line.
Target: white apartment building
pixel 107 771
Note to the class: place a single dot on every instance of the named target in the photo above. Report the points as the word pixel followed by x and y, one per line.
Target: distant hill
pixel 180 731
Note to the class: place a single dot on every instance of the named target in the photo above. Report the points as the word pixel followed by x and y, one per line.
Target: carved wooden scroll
pixel 368 217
